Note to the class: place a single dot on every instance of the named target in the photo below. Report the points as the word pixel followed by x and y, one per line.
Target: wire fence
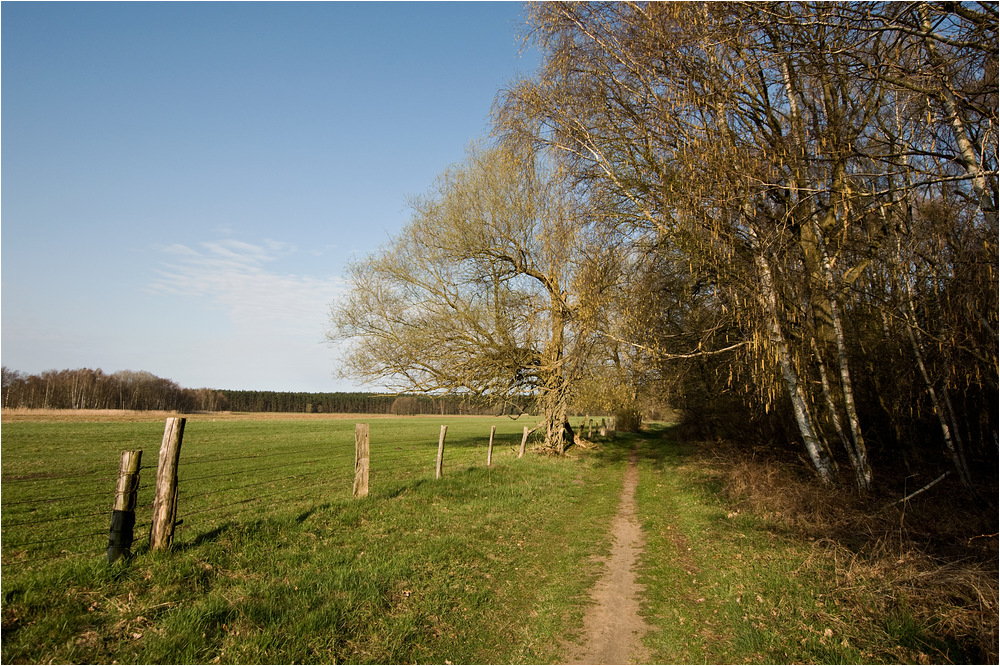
pixel 49 517
pixel 209 496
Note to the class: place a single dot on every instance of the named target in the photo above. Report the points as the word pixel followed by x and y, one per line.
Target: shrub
pixel 628 419
pixel 404 405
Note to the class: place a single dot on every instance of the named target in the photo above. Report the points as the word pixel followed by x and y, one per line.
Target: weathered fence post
pixel 161 533
pixel 123 511
pixel 489 451
pixel 361 459
pixel 524 440
pixel 440 460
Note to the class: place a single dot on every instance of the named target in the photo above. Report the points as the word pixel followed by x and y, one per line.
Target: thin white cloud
pixel 241 279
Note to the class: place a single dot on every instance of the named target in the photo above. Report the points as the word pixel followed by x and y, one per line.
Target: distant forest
pixel 130 390
pixel 355 403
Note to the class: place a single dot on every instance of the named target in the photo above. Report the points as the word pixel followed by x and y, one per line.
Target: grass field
pixel 59 475
pixel 275 561
pixel 485 564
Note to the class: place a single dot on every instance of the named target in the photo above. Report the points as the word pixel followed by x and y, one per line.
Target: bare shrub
pixel 404 405
pixel 628 419
pixel 934 557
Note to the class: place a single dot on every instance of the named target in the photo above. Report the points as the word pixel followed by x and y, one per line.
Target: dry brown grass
pixel 934 557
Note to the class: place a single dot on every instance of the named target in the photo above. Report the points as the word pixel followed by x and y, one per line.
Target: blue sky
pixel 183 184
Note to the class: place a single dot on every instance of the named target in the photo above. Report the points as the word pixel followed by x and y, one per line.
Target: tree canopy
pixel 486 292
pixel 780 217
pixel 821 177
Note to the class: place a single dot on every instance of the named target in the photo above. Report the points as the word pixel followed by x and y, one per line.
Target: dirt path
pixel 613 627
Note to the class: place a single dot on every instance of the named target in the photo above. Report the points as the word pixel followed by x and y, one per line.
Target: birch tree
pixel 768 146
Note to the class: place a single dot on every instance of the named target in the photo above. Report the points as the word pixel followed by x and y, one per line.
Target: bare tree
pixel 485 292
pixel 767 148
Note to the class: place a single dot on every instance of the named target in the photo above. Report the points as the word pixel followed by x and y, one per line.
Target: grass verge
pixel 746 562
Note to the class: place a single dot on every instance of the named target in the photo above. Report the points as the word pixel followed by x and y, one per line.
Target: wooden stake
pixel 489 451
pixel 161 533
pixel 440 460
pixel 524 440
pixel 123 511
pixel 361 459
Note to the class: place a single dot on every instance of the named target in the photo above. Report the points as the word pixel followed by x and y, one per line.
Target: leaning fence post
pixel 161 533
pixel 361 459
pixel 489 451
pixel 524 440
pixel 440 460
pixel 123 511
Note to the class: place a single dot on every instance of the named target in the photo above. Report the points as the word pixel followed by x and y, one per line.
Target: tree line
pixel 780 218
pixel 354 403
pixel 94 389
pixel 139 391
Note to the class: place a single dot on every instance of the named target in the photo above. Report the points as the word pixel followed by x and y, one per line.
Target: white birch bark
pixel 800 407
pixel 856 448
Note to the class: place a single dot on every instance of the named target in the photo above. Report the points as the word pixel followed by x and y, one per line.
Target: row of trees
pixel 351 403
pixel 779 216
pixel 94 389
pixel 278 401
pixel 129 390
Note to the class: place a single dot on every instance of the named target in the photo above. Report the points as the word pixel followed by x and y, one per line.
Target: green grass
pixel 59 478
pixel 725 586
pixel 275 562
pixel 483 565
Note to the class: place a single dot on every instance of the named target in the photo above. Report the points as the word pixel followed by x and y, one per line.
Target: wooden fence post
pixel 361 459
pixel 489 451
pixel 440 460
pixel 123 511
pixel 161 533
pixel 524 440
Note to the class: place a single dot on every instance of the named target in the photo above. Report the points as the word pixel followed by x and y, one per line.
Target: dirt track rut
pixel 613 627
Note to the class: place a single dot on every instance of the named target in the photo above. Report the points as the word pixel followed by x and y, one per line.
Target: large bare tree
pixel 487 291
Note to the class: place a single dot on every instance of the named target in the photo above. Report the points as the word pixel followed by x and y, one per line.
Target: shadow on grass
pixel 203 538
pixel 305 515
pixel 251 523
pixel 656 446
pixel 402 489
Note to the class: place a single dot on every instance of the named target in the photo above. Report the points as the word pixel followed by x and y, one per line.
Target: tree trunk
pixel 824 300
pixel 957 456
pixel 857 450
pixel 800 406
pixel 555 391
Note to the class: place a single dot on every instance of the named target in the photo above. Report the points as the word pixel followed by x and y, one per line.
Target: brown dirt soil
pixel 613 627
